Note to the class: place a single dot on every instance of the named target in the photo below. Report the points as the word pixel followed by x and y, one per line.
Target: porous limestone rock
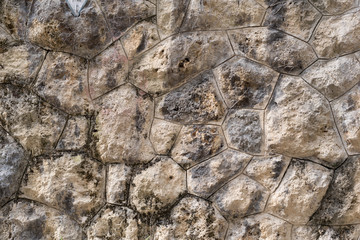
pixel 296 17
pixel 52 26
pixel 334 7
pixel 33 123
pixel 196 143
pixel 13 161
pixel 25 219
pixel 117 182
pixel 177 58
pixel 240 197
pixel 280 51
pixel 193 218
pixel 300 192
pixel 245 83
pixel 334 77
pixel 243 130
pixel 62 82
pixel 206 177
pixel 222 14
pixel 75 135
pixel 71 182
pixel 123 125
pixel 268 170
pixel 299 123
pixel 13 16
pixel 351 232
pixel 259 227
pixel 347 111
pixel 107 70
pixel 163 135
pixel 332 39
pixel 198 101
pixel 157 187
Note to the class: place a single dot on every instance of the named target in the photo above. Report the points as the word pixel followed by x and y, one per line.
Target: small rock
pixel 75 134
pixel 240 197
pixel 198 101
pixel 334 7
pixel 118 177
pixel 334 77
pixel 62 82
pixel 158 186
pixel 72 183
pixel 196 143
pixel 326 232
pixel 299 124
pixel 300 192
pixel 107 70
pixel 282 52
pixel 244 130
pixel 268 170
pixel 177 58
pixel 163 135
pixel 208 176
pixel 245 83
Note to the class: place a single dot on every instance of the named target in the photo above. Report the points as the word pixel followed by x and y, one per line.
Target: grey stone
pixel 117 183
pixel 351 232
pixel 334 7
pixel 75 135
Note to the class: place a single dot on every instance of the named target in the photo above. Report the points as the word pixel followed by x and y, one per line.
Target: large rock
pixel 75 134
pixel 163 135
pixel 70 182
pixel 117 183
pixel 347 111
pixel 299 123
pixel 62 82
pixel 13 161
pixel 167 65
pixel 351 232
pixel 245 83
pixel 29 220
pixel 222 14
pixel 196 143
pixel 300 192
pixel 280 51
pixel 33 123
pixel 334 7
pixel 123 126
pixel 157 187
pixel 331 39
pixel 193 218
pixel 334 77
pixel 195 102
pixel 206 177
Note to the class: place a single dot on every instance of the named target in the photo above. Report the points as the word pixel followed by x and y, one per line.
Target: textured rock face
pixel 13 17
pixel 325 232
pixel 117 183
pixel 163 135
pixel 334 6
pixel 75 134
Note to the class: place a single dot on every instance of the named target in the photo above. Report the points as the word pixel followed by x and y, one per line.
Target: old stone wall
pixel 180 119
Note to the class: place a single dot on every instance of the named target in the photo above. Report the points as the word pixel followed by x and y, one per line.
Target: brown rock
pixel 163 135
pixel 75 135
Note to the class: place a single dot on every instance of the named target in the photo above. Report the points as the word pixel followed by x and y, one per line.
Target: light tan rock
pixel 71 182
pixel 123 126
pixel 177 58
pixel 300 192
pixel 276 49
pixel 157 187
pixel 163 135
pixel 334 7
pixel 29 220
pixel 334 77
pixel 117 183
pixel 75 135
pixel 326 232
pixel 299 124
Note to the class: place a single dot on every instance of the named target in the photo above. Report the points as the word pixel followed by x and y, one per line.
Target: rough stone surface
pixel 300 192
pixel 208 176
pixel 158 186
pixel 244 83
pixel 117 183
pixel 75 135
pixel 163 135
pixel 71 182
pixel 195 143
pixel 299 124
pixel 326 232
pixel 195 102
pixel 282 52
pixel 334 6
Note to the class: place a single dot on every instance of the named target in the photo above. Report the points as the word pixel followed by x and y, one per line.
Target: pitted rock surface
pixel 75 134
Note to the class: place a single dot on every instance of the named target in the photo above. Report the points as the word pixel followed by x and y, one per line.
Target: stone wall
pixel 180 119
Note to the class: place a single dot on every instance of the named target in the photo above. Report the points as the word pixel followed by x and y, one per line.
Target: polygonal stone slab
pixel 75 134
pixel 326 232
pixel 117 183
pixel 163 135
pixel 334 7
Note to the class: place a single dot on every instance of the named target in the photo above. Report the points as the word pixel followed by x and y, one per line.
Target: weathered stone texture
pixel 334 7
pixel 75 134
pixel 117 183
pixel 326 232
pixel 163 135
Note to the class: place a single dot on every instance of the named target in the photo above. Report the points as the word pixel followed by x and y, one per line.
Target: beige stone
pixel 13 16
pixel 326 232
pixel 163 135
pixel 75 135
pixel 117 183
pixel 334 7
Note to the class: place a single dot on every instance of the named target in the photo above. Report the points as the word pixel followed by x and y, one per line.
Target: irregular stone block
pixel 177 58
pixel 326 232
pixel 75 135
pixel 123 126
pixel 300 192
pixel 280 51
pixel 163 135
pixel 72 182
pixel 117 182
pixel 208 176
pixel 243 130
pixel 195 143
pixel 299 124
pixel 334 7
pixel 157 187
pixel 245 83
pixel 198 101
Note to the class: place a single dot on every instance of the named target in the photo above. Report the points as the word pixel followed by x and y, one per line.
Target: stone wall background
pixel 180 119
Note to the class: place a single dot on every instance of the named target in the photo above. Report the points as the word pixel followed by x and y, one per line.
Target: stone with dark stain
pixel 334 7
pixel 75 134
pixel 319 232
